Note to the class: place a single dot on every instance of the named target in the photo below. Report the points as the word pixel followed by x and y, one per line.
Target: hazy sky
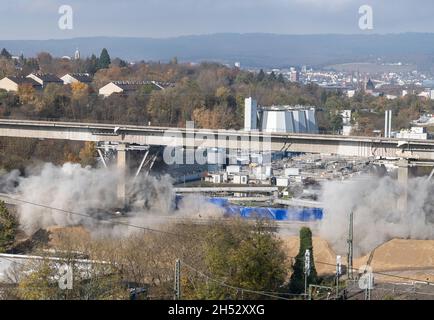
pixel 38 19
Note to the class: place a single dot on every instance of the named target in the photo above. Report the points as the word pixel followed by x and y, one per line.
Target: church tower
pixel 77 55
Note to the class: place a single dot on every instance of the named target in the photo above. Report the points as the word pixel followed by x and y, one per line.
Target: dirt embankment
pixel 399 257
pixel 400 254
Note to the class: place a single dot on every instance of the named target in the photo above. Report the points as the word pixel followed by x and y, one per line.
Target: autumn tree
pixel 45 62
pixel 7 67
pixel 37 284
pixel 54 102
pixel 232 251
pixel 143 259
pixel 26 93
pixel 79 90
pixel 241 255
pixel 104 76
pixel 161 108
pixel 119 63
pixel 93 280
pixel 71 157
pixel 87 154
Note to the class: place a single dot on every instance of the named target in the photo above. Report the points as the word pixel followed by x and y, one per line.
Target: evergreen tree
pixel 8 227
pixel 123 64
pixel 336 123
pixel 297 277
pixel 323 97
pixel 261 76
pixel 4 53
pixel 92 64
pixel 272 76
pixel 280 78
pixel 104 59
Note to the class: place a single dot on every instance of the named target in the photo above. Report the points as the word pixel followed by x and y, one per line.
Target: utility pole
pixel 338 273
pixel 369 285
pixel 177 285
pixel 350 246
pixel 306 270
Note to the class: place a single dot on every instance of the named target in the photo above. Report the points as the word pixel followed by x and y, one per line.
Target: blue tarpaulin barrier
pixel 278 214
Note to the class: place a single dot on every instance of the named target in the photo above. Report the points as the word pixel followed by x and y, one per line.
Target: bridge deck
pixel 231 139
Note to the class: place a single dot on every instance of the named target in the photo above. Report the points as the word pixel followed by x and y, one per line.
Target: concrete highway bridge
pixel 124 137
pixel 230 139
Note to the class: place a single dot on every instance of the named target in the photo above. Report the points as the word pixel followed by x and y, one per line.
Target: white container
pixel 282 182
pixel 258 171
pixel 225 177
pixel 217 178
pixel 268 172
pixel 233 169
pixel 241 179
pixel 291 172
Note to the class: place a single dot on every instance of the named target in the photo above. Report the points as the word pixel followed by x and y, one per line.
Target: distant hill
pixel 252 50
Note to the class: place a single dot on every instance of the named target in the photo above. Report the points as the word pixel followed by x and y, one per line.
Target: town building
pixel 45 79
pixel 13 83
pixel 414 133
pixel 346 117
pixel 347 127
pixel 294 75
pixel 351 93
pixel 129 87
pixel 76 77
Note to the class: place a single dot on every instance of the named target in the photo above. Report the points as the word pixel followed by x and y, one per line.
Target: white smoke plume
pixel 93 192
pixel 8 181
pixel 376 217
pixel 196 206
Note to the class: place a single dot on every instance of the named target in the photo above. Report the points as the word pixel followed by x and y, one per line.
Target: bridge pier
pixel 121 157
pixel 403 174
pixel 122 173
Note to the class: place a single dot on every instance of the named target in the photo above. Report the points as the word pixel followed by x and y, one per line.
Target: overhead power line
pixel 178 234
pixel 112 222
pixel 222 283
pixel 382 273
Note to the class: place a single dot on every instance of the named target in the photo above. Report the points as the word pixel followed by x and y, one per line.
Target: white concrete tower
pixel 250 114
